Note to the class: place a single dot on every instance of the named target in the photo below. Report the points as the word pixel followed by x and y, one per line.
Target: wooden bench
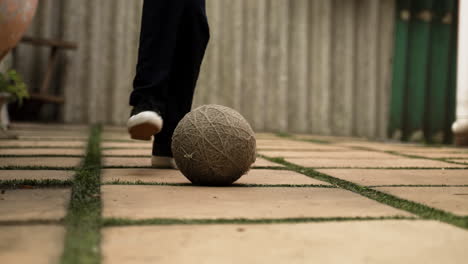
pixel 55 47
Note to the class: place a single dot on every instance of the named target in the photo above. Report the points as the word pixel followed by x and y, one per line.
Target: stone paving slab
pixel 43 151
pixel 254 176
pixel 6 175
pixel 330 139
pixel 260 136
pixel 460 160
pixel 440 155
pixel 424 242
pixel 261 162
pixel 49 138
pixel 31 244
pixel 127 152
pixel 399 147
pixel 43 143
pixel 372 163
pixel 330 154
pixel 134 145
pixel 146 162
pixel 50 132
pixel 451 199
pixel 375 145
pixel 57 162
pixel 370 177
pixel 295 145
pixel 142 202
pixel 34 204
pixel 47 126
pixel 127 162
pixel 110 128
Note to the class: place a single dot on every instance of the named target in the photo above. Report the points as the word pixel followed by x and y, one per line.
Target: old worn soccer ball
pixel 214 145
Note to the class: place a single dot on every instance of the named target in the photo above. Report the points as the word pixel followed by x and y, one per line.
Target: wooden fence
pixel 316 66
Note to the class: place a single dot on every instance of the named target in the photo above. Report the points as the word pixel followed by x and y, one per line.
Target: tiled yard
pixel 68 192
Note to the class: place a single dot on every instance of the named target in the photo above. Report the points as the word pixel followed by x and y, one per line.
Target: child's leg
pixel 192 39
pixel 159 33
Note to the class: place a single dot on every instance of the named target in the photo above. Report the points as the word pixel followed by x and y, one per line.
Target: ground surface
pixel 74 194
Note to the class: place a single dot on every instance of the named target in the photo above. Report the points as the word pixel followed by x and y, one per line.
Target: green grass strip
pixel 412 156
pixel 35 168
pixel 418 209
pixel 117 182
pixel 82 240
pixel 39 147
pixel 389 168
pixel 39 155
pixel 311 140
pixel 47 183
pixel 150 167
pixel 418 185
pixel 50 139
pixel 112 222
pixel 31 222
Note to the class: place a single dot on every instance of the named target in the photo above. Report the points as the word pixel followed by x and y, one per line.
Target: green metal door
pixel 424 67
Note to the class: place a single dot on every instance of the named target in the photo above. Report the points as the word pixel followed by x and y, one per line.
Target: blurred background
pixel 381 69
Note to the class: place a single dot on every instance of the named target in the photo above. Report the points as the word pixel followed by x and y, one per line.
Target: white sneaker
pixel 144 125
pixel 163 162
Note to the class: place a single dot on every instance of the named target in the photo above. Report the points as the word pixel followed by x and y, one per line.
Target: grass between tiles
pixel 118 182
pixel 35 168
pixel 32 184
pixel 39 156
pixel 420 210
pixel 112 222
pixel 82 240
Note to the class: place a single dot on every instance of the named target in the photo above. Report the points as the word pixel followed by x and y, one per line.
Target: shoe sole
pixel 143 131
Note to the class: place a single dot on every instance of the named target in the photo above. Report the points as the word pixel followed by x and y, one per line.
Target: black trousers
pixel 173 40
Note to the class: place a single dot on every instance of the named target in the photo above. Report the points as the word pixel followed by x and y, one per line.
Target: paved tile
pixel 34 204
pixel 109 128
pixel 374 145
pixel 392 146
pixel 50 132
pixel 261 162
pixel 53 138
pixel 422 149
pixel 47 126
pixel 143 175
pixel 372 163
pixel 31 244
pixel 396 177
pixel 332 242
pixel 36 175
pixel 460 160
pixel 259 136
pixel 254 176
pixel 439 155
pixel 141 202
pixel 42 151
pixel 327 138
pixel 452 199
pixel 115 135
pixel 294 145
pixel 43 143
pixel 127 162
pixel 127 152
pixel 135 144
pixel 329 154
pixel 57 162
pixel 146 162
pixel 121 133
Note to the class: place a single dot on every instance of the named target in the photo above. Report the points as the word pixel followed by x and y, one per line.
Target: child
pixel 173 39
